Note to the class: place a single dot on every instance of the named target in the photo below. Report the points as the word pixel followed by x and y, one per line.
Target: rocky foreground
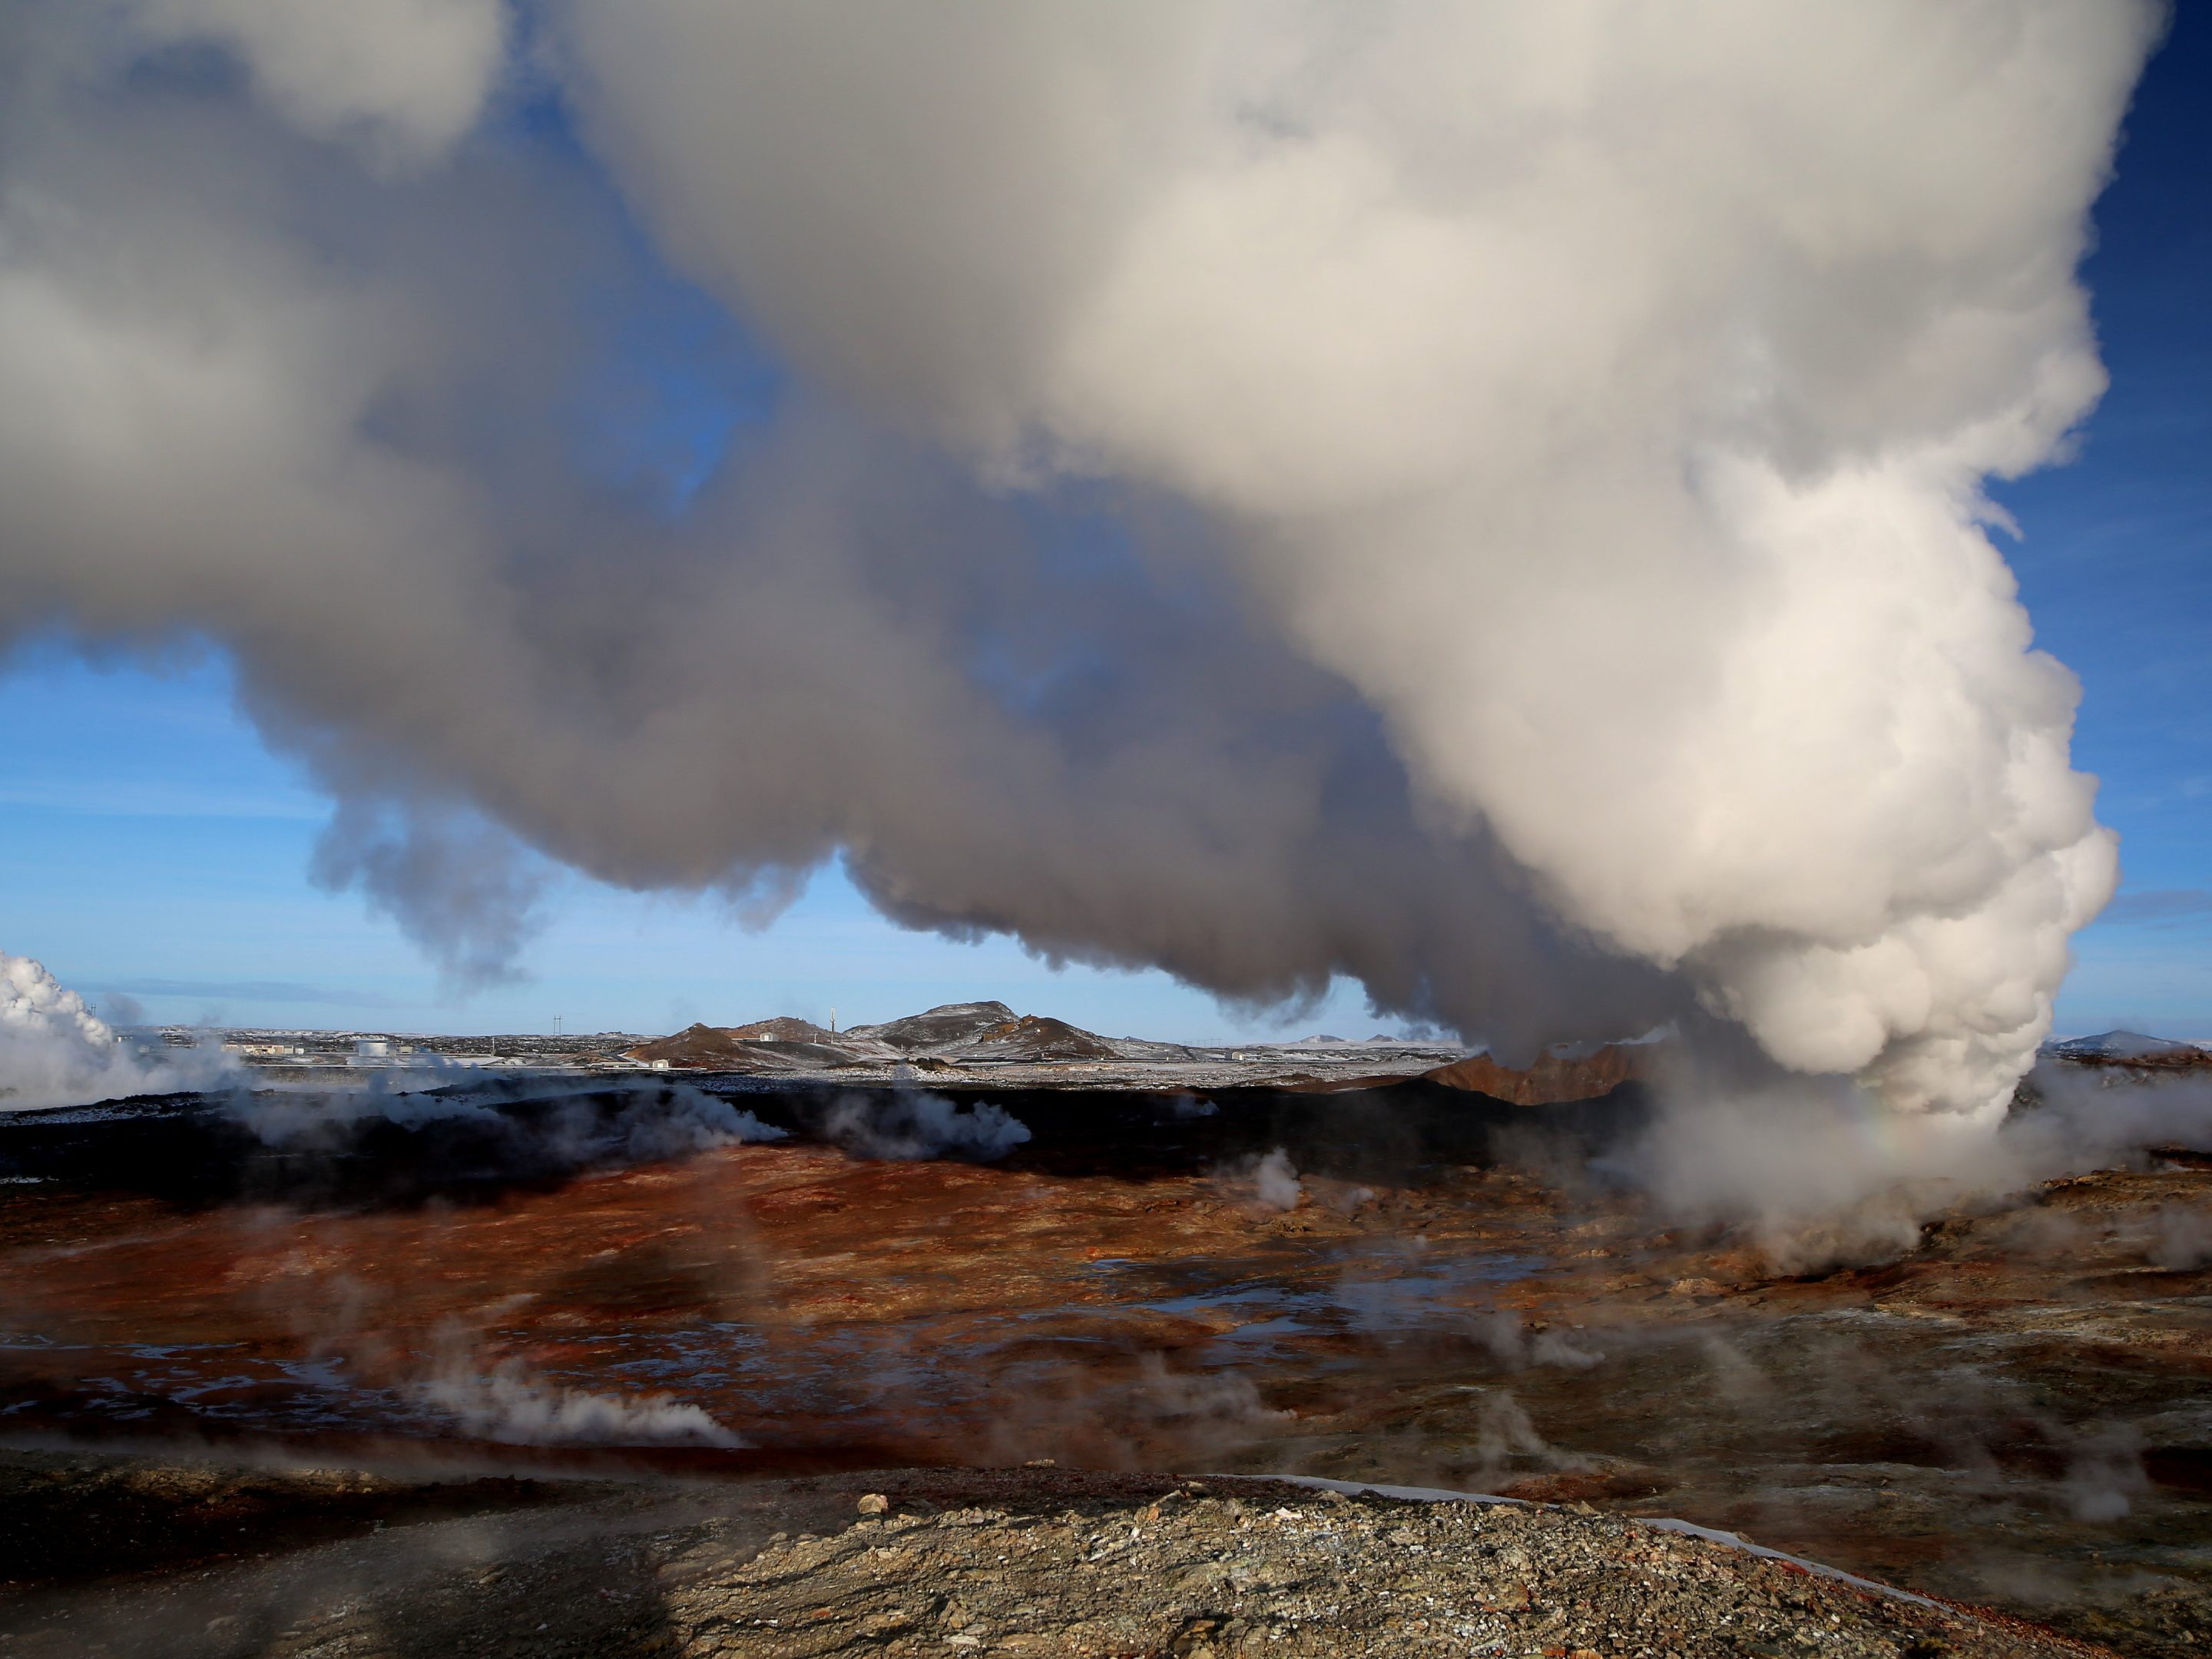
pixel 300 1563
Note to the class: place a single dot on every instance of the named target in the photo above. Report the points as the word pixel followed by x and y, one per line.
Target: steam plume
pixel 1485 500
pixel 916 1124
pixel 55 1051
pixel 505 1403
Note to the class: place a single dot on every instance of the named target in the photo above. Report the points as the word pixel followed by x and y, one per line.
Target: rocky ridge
pixel 989 1040
pixel 2131 1050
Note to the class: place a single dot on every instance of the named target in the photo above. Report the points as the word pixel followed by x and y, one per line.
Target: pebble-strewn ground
pixel 953 1563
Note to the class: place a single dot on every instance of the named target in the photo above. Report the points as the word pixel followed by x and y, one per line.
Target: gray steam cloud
pixel 916 1124
pixel 1485 500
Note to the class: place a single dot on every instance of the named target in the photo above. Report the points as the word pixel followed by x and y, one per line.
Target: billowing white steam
pixel 506 1403
pixel 55 1051
pixel 1548 442
pixel 1824 1176
pixel 1605 393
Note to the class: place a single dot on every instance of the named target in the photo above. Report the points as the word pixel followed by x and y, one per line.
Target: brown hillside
pixel 1037 1037
pixel 705 1047
pixel 1553 1079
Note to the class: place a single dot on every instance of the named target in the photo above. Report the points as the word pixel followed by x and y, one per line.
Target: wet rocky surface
pixel 2015 1412
pixel 1019 1561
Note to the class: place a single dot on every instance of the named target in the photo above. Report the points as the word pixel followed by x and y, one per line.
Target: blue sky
pixel 157 851
pixel 2115 560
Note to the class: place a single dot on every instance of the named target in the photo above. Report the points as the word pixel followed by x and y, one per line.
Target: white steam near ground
pixel 505 1403
pixel 1485 500
pixel 55 1051
pixel 1267 1183
pixel 574 1124
pixel 1839 1180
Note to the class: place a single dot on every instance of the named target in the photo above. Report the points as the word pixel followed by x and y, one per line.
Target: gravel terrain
pixel 938 1562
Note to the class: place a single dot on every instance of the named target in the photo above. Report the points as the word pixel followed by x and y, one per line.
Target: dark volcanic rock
pixel 464 1142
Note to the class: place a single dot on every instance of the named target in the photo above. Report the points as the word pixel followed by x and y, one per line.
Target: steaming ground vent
pixel 1490 504
pixel 1405 1284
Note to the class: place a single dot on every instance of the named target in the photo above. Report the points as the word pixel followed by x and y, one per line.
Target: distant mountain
pixel 1037 1037
pixel 782 1029
pixel 714 1048
pixel 2129 1048
pixel 944 1026
pixel 956 1034
pixel 989 1031
pixel 951 1033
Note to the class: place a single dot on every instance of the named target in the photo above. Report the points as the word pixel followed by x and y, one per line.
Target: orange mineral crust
pixel 2016 1400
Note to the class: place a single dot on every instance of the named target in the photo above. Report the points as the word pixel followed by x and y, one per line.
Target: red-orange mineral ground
pixel 2018 1411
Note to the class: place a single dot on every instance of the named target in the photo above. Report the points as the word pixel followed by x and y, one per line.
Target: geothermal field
pixel 1638 570
pixel 340 1365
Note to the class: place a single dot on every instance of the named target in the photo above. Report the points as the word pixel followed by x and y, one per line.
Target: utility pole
pixel 833 1022
pixel 557 1025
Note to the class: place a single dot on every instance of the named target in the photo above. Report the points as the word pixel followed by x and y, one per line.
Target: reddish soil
pixel 1555 1079
pixel 2015 1412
